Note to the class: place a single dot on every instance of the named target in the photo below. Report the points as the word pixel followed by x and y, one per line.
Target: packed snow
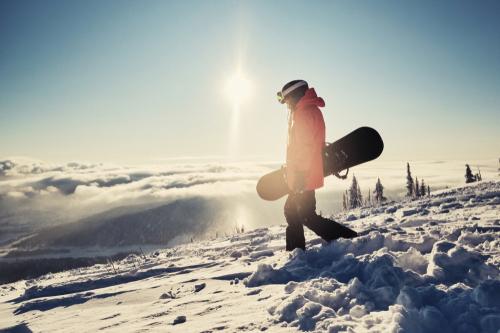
pixel 428 265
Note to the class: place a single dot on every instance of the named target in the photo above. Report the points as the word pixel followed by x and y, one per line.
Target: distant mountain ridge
pixel 158 225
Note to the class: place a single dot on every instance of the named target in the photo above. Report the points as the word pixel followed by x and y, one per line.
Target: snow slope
pixel 430 265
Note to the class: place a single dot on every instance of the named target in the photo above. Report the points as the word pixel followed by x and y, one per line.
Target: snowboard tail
pixel 361 145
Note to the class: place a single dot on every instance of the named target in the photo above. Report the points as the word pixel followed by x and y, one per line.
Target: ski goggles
pixel 281 98
pixel 282 95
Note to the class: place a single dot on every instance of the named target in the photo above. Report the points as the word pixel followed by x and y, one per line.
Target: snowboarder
pixel 304 166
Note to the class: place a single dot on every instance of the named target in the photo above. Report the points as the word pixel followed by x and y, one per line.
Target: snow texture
pixel 429 265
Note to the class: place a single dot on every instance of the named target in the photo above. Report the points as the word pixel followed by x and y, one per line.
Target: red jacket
pixel 306 139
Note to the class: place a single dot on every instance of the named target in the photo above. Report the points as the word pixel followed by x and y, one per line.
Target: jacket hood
pixel 310 98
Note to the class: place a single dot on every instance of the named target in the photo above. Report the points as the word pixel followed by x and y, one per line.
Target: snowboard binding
pixel 338 158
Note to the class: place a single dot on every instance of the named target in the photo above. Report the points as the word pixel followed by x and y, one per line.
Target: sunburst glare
pixel 238 88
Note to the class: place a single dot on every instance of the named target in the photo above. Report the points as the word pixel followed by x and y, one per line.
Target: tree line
pixel 469 177
pixel 413 188
pixel 353 198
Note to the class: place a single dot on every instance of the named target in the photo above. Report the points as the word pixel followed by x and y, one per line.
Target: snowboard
pixel 361 145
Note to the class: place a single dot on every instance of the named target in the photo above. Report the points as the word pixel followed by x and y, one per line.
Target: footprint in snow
pixel 179 320
pixel 168 295
pixel 254 292
pixel 199 287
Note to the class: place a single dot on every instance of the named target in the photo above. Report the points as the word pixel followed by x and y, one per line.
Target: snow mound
pixel 425 274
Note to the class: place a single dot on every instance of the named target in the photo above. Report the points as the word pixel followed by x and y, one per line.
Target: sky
pixel 146 81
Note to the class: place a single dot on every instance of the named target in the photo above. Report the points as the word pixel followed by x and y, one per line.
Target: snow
pixel 429 265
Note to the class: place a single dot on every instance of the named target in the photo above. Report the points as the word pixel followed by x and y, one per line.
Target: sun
pixel 238 88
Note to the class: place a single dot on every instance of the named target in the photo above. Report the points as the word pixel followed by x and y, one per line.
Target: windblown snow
pixel 429 265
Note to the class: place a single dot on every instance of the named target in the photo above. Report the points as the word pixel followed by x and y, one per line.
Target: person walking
pixel 304 166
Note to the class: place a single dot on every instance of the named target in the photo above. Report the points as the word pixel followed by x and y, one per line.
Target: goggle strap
pixel 292 88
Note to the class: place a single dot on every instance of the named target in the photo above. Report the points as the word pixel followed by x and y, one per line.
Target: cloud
pixel 35 194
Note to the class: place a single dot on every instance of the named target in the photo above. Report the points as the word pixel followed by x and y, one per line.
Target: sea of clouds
pixel 34 193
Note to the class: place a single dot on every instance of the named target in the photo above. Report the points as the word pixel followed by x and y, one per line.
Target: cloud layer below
pixel 35 194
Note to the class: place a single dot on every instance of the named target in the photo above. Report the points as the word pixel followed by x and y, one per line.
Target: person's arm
pixel 303 147
pixel 304 135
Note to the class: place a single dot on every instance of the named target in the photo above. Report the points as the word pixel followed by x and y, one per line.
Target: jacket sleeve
pixel 304 135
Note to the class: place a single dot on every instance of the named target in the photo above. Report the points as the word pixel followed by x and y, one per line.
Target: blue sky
pixel 142 81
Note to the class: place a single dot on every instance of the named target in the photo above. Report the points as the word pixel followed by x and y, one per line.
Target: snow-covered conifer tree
pixel 478 175
pixel 354 194
pixel 379 192
pixel 417 188
pixel 360 197
pixel 409 181
pixel 469 177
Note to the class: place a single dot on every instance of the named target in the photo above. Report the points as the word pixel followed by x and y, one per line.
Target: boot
pixel 295 237
pixel 328 229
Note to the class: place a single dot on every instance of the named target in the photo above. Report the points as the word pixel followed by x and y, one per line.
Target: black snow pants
pixel 300 211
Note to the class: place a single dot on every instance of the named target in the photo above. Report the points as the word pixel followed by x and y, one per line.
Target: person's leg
pixel 323 227
pixel 294 230
pixel 329 229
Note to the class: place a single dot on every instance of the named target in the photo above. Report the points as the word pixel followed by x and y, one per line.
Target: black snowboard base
pixel 361 145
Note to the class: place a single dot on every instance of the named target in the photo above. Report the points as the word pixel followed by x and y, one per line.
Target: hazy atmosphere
pixel 142 154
